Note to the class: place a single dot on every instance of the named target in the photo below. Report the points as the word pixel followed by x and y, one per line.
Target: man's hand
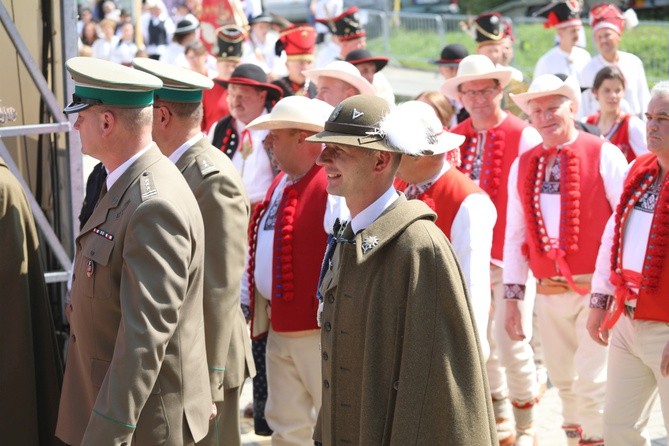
pixel 594 325
pixel 512 322
pixel 214 412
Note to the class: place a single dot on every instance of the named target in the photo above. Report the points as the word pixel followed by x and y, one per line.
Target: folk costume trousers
pixel 511 369
pixel 576 364
pixel 294 386
pixel 634 380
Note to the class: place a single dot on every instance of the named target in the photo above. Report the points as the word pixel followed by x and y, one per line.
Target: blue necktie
pixel 329 252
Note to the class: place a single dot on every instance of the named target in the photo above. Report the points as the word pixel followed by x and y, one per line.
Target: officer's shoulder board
pixel 146 186
pixel 206 166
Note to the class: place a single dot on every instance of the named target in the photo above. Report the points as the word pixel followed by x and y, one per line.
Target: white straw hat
pixel 473 68
pixel 344 71
pixel 294 112
pixel 548 85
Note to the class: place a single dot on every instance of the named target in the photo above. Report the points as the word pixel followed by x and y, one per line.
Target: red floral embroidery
pixel 570 201
pixel 658 237
pixel 491 164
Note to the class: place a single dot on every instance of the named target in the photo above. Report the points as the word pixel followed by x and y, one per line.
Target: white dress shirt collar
pixel 373 211
pixel 116 174
pixel 178 153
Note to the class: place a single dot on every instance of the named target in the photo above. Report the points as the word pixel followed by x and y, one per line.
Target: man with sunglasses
pixel 494 138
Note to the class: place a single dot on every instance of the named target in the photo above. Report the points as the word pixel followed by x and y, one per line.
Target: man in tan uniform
pixel 136 363
pixel 219 191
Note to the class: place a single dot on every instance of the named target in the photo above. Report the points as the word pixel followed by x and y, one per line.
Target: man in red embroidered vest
pixel 633 265
pixel 494 138
pixel 554 231
pixel 465 213
pixel 287 244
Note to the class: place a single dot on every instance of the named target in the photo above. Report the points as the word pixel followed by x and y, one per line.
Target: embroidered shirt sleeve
pixel 514 291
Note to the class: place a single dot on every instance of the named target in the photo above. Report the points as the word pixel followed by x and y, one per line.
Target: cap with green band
pixel 100 82
pixel 179 84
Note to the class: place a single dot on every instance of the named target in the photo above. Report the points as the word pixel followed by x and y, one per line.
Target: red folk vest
pixel 299 245
pixel 500 151
pixel 653 300
pixel 445 196
pixel 583 205
pixel 621 137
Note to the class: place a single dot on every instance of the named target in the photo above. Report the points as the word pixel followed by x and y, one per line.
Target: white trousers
pixel 510 367
pixel 576 364
pixel 634 380
pixel 294 386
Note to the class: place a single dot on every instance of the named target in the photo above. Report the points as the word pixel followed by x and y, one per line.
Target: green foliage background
pixel 415 48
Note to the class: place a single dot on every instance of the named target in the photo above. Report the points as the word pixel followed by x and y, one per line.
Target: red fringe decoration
pixel 283 244
pixel 253 243
pixel 658 238
pixel 570 201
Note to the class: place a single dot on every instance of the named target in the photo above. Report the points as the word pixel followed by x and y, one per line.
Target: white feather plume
pixel 410 128
pixel 631 19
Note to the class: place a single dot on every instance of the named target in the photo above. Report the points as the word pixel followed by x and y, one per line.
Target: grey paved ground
pixel 548 416
pixel 407 84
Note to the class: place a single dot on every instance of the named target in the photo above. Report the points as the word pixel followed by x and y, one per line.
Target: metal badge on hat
pixel 356 114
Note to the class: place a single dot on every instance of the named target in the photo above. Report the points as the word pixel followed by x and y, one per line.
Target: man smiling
pixel 392 373
pixel 553 232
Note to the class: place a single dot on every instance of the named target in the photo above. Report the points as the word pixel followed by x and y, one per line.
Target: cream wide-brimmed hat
pixel 344 71
pixel 474 68
pixel 294 112
pixel 548 85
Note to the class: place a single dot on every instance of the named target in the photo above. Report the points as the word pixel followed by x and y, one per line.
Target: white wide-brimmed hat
pixel 414 128
pixel 294 112
pixel 344 71
pixel 548 85
pixel 474 68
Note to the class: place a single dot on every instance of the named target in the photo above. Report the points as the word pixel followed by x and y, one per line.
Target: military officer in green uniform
pixel 220 194
pixel 136 365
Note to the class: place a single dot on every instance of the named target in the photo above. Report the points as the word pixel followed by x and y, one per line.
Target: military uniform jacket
pixel 31 373
pixel 220 194
pixel 136 365
pixel 401 360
